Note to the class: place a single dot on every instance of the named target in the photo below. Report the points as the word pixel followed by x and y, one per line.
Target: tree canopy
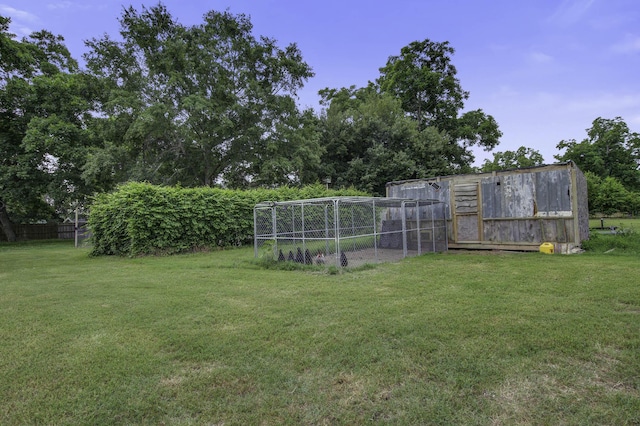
pixel 424 79
pixel 202 105
pixel 45 110
pixel 199 105
pixel 610 158
pixel 505 160
pixel 609 150
pixel 408 124
pixel 368 140
pixel 212 104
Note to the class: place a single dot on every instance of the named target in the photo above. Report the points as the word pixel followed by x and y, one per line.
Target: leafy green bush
pixel 140 218
pixel 621 241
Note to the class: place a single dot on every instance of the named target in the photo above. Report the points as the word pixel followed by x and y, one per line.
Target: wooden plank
pixel 488 245
pixel 467 198
pixel 466 187
pixel 469 203
pixel 466 210
pixel 467 228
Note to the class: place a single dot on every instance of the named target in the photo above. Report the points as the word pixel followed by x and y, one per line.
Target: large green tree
pixel 368 140
pixel 408 124
pixel 504 160
pixel 608 196
pixel 609 150
pixel 45 105
pixel 199 105
pixel 425 80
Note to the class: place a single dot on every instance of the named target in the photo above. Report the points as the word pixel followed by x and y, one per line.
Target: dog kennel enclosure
pixel 349 231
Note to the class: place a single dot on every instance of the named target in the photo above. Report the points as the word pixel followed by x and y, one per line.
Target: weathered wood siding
pixel 583 206
pixel 534 231
pixel 466 211
pixel 518 207
pixel 508 196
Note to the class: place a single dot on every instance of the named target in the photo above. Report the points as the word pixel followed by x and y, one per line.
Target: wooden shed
pixel 510 210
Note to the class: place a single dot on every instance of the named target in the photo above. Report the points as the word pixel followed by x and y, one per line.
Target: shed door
pixel 467 211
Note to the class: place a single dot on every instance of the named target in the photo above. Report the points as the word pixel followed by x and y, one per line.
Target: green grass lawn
pixel 618 222
pixel 210 338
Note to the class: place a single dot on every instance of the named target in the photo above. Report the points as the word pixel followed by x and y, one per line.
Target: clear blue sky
pixel 545 69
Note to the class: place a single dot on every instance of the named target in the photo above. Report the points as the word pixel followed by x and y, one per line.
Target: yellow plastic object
pixel 546 248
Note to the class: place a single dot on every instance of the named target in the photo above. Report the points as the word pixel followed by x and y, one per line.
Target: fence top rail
pixel 379 201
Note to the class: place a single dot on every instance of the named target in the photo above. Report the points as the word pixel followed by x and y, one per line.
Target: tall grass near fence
pixel 211 338
pixel 619 241
pixel 614 236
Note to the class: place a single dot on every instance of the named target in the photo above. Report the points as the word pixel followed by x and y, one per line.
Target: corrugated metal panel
pixel 508 196
pixel 467 228
pixel 553 195
pixel 529 230
pixel 491 197
pixel 422 190
pixel 583 206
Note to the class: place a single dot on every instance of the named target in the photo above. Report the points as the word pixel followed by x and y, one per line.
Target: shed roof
pixel 569 164
pixel 378 201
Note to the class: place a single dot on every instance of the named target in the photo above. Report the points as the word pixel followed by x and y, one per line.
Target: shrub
pixel 140 218
pixel 623 241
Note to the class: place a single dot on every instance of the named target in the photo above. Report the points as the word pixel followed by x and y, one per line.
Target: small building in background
pixel 511 209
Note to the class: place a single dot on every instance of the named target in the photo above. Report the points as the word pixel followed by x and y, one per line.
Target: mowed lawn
pixel 210 338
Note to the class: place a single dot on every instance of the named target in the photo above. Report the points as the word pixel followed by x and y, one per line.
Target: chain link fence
pixel 349 231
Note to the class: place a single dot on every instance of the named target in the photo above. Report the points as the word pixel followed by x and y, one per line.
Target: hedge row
pixel 140 218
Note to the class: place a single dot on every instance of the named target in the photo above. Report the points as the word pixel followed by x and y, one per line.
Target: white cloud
pixel 631 44
pixel 20 20
pixel 541 119
pixel 505 91
pixel 608 105
pixel 21 30
pixel 570 12
pixel 16 14
pixel 634 122
pixel 66 5
pixel 539 58
pixel 499 47
pixel 60 5
pixel 611 21
pixel 585 104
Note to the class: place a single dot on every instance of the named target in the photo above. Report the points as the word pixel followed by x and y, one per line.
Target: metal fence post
pixel 404 229
pixel 336 229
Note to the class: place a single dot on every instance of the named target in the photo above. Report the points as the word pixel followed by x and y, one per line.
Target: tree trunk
pixel 5 222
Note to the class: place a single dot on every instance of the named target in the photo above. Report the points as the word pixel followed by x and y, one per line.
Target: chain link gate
pixel 350 231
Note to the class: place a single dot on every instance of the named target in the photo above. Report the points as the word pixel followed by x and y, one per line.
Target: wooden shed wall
pixel 517 209
pixel 583 205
